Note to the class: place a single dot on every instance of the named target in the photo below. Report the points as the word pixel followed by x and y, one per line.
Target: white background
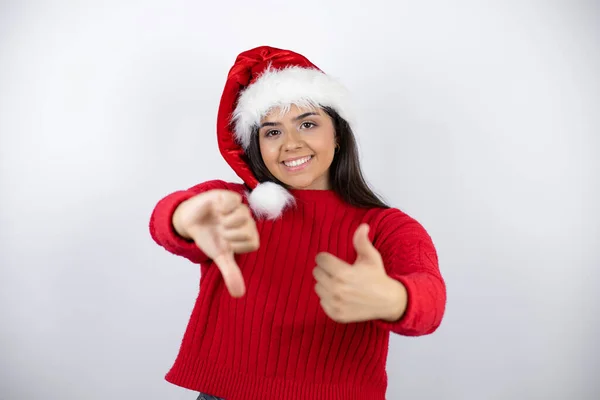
pixel 480 119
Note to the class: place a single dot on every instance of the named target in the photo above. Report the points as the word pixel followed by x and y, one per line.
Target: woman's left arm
pixel 395 280
pixel 411 262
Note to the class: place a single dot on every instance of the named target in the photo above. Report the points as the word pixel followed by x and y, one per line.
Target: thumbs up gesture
pixel 361 291
pixel 220 225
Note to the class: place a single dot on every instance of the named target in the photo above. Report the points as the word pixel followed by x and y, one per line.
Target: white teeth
pixel 298 162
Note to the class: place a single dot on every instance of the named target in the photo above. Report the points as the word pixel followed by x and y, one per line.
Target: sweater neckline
pixel 315 195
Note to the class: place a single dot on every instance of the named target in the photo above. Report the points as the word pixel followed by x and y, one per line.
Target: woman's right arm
pixel 161 225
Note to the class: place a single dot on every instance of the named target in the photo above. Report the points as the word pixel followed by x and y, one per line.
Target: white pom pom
pixel 269 199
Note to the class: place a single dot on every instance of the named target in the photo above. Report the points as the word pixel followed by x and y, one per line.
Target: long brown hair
pixel 345 174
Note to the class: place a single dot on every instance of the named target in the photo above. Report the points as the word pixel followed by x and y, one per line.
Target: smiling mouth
pixel 297 163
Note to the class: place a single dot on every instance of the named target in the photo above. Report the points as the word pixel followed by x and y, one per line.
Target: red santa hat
pixel 260 80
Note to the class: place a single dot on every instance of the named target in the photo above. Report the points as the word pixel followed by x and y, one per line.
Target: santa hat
pixel 261 79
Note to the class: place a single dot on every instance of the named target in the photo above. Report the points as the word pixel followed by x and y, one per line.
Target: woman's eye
pixel 307 125
pixel 273 132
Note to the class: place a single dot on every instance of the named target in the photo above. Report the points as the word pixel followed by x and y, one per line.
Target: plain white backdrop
pixel 480 119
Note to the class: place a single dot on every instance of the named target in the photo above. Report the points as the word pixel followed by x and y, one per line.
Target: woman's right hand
pixel 220 225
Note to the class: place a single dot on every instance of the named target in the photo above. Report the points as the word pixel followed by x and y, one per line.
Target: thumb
pixel 232 275
pixel 364 248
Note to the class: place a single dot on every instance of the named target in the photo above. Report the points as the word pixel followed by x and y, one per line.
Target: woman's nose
pixel 293 141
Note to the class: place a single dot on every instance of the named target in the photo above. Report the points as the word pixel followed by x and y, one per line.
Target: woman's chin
pixel 305 184
pixel 298 184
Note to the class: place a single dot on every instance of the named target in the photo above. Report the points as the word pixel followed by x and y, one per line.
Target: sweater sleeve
pixel 410 257
pixel 161 226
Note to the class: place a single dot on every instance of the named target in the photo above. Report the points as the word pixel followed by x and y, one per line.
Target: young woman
pixel 305 272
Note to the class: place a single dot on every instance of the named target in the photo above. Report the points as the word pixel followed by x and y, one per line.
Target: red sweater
pixel 276 342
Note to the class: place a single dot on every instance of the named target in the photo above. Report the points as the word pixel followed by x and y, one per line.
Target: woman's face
pixel 298 147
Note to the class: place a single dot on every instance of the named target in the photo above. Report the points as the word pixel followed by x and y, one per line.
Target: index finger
pixel 228 201
pixel 331 264
pixel 232 275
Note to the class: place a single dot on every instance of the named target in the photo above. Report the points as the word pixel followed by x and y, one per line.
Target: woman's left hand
pixel 362 291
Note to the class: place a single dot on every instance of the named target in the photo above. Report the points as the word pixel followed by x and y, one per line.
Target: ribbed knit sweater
pixel 276 342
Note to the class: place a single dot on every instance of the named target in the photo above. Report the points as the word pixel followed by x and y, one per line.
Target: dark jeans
pixel 203 396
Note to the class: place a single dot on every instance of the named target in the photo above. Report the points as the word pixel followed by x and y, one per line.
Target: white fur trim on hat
pixel 304 87
pixel 269 199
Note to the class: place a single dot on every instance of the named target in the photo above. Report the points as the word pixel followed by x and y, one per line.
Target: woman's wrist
pixel 397 301
pixel 176 222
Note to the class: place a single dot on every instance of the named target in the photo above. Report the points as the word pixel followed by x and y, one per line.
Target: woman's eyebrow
pixel 307 114
pixel 299 117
